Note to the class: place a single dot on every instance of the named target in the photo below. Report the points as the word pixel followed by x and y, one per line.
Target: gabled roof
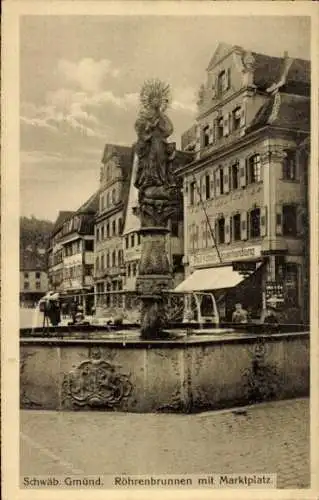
pixel 122 152
pixel 269 69
pixel 223 49
pixel 284 110
pixel 62 217
pixel 91 205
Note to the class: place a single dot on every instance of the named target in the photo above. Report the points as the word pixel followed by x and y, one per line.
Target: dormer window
pixel 223 81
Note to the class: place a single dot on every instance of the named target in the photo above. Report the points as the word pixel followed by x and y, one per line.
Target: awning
pixel 214 278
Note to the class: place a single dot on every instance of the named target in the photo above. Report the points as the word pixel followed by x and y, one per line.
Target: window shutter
pixel 227 230
pixel 226 179
pixel 242 173
pixel 216 86
pixel 242 116
pixel 243 225
pixel 212 185
pixel 263 221
pixel 211 133
pixel 279 220
pixel 228 80
pixel 217 182
pixel 226 125
pixel 300 223
pixel 203 187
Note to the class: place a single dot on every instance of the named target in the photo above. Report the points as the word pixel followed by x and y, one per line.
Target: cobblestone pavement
pixel 266 438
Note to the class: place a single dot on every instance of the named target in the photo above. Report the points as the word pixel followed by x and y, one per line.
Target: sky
pixel 80 78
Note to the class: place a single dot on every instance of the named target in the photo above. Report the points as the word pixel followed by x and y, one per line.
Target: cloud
pixel 87 73
pixel 185 100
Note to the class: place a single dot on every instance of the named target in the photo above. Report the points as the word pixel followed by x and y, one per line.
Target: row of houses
pixel 242 228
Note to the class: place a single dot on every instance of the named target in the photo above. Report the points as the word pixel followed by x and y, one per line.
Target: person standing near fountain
pixel 158 197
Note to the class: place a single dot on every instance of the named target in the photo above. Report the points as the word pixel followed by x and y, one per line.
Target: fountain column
pixel 158 198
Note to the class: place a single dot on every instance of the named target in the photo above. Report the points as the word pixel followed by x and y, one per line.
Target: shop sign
pixel 244 266
pixel 274 293
pixel 210 257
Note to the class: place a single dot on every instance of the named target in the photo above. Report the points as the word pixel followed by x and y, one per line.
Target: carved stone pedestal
pixel 153 280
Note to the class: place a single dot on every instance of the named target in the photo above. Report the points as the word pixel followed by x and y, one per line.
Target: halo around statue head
pixel 155 94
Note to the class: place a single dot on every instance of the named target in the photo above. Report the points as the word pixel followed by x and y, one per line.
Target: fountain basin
pixel 191 373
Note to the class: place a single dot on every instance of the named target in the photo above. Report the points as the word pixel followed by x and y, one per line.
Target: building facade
pixel 33 276
pixel 71 255
pixel 113 195
pixel 244 194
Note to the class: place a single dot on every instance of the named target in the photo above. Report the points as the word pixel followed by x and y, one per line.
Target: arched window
pixel 114 258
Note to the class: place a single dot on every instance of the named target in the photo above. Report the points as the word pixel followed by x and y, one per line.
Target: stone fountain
pixel 154 369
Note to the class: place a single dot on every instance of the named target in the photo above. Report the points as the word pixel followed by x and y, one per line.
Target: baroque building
pixel 244 193
pixel 109 268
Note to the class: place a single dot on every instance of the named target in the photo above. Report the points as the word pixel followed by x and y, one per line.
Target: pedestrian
pixel 270 316
pixel 240 315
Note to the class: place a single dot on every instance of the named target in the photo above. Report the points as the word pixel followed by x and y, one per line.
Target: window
pixel 254 169
pixel 102 233
pixel 129 270
pixel 107 230
pixel 120 224
pixel 289 166
pixel 88 245
pixel 207 186
pixel 138 238
pixel 132 240
pixel 126 241
pixel 26 285
pixel 38 275
pixel 236 118
pixel 221 230
pixel 254 223
pixel 97 234
pixel 134 269
pixel 174 228
pixel 102 262
pixel 236 227
pixel 291 285
pixel 113 197
pixel 113 258
pixel 206 136
pixel 108 200
pixel 26 275
pixel 220 128
pixel 289 220
pixel 235 176
pixel 221 180
pixel 222 82
pixel 120 257
pixel 37 285
pixel 114 228
pixel 102 202
pixel 97 263
pixel 192 188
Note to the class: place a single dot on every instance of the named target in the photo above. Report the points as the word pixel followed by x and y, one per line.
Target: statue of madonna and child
pixel 154 178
